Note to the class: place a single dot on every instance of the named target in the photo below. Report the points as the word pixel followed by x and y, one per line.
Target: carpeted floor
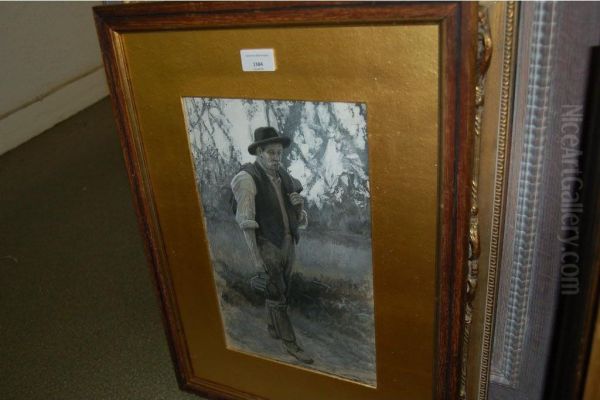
pixel 78 315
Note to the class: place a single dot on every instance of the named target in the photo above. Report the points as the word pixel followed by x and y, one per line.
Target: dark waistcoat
pixel 268 212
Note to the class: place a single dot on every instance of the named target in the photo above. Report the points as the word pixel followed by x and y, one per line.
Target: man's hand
pixel 296 200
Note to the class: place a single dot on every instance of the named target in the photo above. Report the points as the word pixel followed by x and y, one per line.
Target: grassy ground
pixel 331 304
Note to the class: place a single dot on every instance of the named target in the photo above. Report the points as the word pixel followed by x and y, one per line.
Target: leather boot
pixel 296 351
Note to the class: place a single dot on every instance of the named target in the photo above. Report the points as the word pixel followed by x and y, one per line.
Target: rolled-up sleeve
pixel 244 191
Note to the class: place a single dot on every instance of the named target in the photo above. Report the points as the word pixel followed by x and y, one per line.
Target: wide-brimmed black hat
pixel 267 135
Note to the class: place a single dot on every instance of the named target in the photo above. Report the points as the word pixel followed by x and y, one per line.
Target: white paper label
pixel 258 60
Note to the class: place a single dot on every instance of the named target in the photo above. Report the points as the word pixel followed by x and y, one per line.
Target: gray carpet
pixel 78 315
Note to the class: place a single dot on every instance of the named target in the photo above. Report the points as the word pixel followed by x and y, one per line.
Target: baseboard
pixel 29 121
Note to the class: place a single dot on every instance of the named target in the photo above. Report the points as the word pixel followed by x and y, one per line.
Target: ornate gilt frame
pixel 499 29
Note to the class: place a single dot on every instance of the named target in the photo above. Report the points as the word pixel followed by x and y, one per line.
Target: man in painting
pixel 270 211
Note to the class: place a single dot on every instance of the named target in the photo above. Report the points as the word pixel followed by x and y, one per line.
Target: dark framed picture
pixel 301 173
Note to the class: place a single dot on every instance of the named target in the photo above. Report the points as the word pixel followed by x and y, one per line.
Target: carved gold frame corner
pixel 494 92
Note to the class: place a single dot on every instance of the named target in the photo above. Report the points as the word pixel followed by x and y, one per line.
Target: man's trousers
pixel 279 263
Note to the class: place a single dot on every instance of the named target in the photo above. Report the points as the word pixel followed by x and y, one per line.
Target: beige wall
pixel 50 68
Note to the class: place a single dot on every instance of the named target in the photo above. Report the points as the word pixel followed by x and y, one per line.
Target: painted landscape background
pixel 331 304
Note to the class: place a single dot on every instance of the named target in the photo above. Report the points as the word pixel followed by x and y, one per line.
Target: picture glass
pixel 284 186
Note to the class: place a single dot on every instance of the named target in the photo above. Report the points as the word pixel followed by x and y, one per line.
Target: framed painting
pixel 302 177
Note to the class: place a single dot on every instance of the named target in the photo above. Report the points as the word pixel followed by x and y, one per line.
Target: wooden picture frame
pixel 414 66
